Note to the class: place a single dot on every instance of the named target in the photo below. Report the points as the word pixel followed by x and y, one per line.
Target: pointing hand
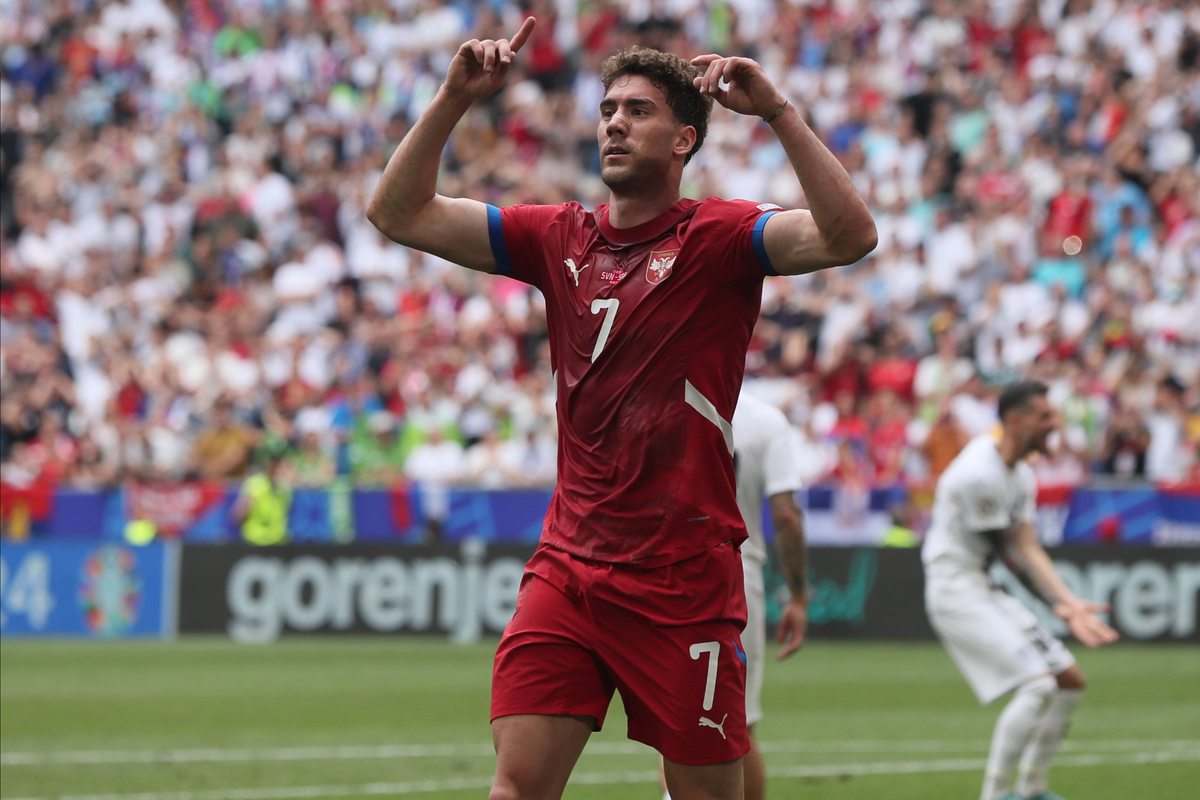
pixel 481 67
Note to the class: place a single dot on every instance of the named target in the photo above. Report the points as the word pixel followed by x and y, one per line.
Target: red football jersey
pixel 648 334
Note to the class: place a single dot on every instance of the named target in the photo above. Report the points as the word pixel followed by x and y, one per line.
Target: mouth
pixel 615 152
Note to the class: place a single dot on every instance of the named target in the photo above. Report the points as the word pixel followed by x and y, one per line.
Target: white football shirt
pixel 765 460
pixel 976 493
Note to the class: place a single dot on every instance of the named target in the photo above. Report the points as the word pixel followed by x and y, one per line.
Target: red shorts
pixel 669 638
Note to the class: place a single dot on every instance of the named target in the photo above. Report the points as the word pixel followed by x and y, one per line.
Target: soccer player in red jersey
pixel 651 300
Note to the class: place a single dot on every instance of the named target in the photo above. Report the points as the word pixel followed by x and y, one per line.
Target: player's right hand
pixel 1081 617
pixel 481 67
pixel 793 625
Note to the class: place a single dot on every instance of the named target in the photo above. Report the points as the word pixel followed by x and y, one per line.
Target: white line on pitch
pixel 462 750
pixel 244 754
pixel 640 776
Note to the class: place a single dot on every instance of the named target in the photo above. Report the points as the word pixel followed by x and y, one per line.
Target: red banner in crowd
pixel 20 506
pixel 172 507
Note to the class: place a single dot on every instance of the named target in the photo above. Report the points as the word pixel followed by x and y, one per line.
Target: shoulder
pixel 759 413
pixel 974 469
pixel 565 211
pixel 734 210
pixel 758 422
pixel 535 221
pixel 256 484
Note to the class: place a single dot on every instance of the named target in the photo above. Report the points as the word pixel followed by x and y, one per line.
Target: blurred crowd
pixel 190 288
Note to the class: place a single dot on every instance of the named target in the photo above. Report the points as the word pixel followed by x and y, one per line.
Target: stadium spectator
pixel 225 448
pixel 434 466
pixel 263 503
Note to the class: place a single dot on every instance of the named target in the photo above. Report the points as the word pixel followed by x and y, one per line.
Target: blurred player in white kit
pixel 765 463
pixel 984 510
pixel 764 460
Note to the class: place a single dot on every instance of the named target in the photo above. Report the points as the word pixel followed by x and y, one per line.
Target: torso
pixel 977 493
pixel 648 333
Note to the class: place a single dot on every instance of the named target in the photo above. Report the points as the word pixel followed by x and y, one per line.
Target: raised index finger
pixel 518 41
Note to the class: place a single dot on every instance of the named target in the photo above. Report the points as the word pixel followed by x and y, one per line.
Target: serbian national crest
pixel 660 265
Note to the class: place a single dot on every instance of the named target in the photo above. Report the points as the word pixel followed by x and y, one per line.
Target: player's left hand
pixel 749 91
pixel 793 624
pixel 1081 617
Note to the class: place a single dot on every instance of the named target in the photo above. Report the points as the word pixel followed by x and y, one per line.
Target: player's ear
pixel 685 140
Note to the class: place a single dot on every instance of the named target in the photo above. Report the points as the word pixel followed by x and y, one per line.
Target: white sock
pixel 1035 765
pixel 1014 729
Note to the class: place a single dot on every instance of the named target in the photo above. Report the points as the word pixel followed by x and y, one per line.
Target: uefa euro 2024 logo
pixel 110 591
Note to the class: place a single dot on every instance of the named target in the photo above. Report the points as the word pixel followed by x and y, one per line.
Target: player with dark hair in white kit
pixel 984 510
pixel 765 461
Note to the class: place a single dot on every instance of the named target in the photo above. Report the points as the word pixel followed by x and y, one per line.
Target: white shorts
pixel 997 643
pixel 754 638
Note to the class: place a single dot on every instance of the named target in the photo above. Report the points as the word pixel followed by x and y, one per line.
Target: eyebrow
pixel 608 102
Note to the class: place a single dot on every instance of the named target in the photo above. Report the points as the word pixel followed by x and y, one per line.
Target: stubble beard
pixel 624 179
pixel 1039 443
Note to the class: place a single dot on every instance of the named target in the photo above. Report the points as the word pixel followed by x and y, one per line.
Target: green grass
pixel 835 704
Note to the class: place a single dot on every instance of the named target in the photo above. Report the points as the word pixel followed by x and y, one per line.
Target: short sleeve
pixel 781 468
pixel 741 224
pixel 982 507
pixel 518 238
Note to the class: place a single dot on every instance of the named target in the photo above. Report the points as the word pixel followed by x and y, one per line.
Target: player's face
pixel 638 133
pixel 1038 421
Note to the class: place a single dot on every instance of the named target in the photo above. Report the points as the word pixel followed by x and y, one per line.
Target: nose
pixel 617 123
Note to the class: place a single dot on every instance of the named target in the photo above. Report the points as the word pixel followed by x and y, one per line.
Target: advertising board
pixel 256 595
pixel 103 591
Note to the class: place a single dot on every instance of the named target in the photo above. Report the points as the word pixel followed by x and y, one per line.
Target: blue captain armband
pixel 756 240
pixel 496 238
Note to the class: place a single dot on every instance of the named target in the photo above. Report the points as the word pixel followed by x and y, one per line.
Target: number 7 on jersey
pixel 609 306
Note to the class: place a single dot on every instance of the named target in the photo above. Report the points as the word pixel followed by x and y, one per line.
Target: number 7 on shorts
pixel 710 686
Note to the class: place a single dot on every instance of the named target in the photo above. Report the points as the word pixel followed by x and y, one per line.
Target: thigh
pixel 536 753
pixel 988 641
pixel 755 639
pixel 545 664
pixel 1052 650
pixel 683 684
pixel 707 782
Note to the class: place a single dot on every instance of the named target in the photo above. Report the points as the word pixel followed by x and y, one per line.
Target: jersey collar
pixel 623 237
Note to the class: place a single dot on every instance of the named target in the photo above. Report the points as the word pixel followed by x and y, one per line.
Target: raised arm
pixel 837 228
pixel 406 207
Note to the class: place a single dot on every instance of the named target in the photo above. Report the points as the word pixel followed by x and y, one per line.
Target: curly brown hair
pixel 673 76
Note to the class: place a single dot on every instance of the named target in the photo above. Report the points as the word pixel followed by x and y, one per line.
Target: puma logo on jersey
pixel 570 262
pixel 705 722
pixel 660 265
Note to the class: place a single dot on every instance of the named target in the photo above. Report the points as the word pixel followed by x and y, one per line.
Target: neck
pixel 630 208
pixel 1010 451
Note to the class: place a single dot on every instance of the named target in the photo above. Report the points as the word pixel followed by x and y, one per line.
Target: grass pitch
pixel 204 719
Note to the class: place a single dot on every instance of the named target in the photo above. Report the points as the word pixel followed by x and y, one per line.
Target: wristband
pixel 771 117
